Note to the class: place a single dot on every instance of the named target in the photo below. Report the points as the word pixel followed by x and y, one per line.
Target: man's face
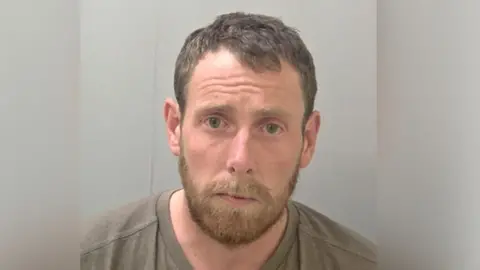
pixel 241 147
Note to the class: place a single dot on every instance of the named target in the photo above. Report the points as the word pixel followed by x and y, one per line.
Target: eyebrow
pixel 266 112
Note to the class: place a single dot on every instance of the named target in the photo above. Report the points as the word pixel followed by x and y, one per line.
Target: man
pixel 243 127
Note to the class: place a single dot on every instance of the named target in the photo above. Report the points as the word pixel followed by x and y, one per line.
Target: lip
pixel 235 197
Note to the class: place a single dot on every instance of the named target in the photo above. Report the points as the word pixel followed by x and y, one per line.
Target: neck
pixel 204 252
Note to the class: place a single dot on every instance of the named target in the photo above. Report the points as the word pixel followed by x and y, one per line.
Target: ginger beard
pixel 229 225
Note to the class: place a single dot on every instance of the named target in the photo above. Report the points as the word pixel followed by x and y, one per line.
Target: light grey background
pixel 128 53
pixel 39 60
pixel 429 134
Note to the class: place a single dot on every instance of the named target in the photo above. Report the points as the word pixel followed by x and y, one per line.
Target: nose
pixel 239 159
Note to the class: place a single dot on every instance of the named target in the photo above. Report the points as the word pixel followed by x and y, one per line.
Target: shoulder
pixel 120 223
pixel 341 241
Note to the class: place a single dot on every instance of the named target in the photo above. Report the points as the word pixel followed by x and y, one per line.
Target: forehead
pixel 221 76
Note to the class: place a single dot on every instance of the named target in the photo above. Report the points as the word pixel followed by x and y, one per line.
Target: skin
pixel 240 148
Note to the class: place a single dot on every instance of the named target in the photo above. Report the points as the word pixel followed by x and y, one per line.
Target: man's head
pixel 243 125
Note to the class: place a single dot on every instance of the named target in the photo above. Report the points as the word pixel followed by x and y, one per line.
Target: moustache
pixel 247 188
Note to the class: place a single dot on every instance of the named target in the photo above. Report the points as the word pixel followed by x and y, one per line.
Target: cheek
pixel 202 157
pixel 280 170
pixel 279 166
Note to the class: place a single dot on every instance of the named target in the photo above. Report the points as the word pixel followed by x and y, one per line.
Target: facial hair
pixel 234 226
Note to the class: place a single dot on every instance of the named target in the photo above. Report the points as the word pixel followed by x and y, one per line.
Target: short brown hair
pixel 259 41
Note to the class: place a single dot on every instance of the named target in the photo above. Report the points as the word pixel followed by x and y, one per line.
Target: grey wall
pixel 128 53
pixel 116 102
pixel 39 59
pixel 429 134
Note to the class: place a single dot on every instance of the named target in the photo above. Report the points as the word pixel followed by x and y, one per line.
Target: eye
pixel 214 122
pixel 272 128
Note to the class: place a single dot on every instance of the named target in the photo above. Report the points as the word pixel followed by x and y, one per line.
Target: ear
pixel 171 114
pixel 310 139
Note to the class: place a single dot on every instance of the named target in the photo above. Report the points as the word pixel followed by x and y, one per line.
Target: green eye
pixel 272 128
pixel 214 122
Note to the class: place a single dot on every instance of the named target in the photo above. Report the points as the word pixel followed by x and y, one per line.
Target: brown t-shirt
pixel 140 236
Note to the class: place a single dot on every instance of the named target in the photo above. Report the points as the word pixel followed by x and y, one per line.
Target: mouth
pixel 235 197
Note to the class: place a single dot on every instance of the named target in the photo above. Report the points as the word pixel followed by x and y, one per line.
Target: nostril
pixel 233 170
pixel 237 170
